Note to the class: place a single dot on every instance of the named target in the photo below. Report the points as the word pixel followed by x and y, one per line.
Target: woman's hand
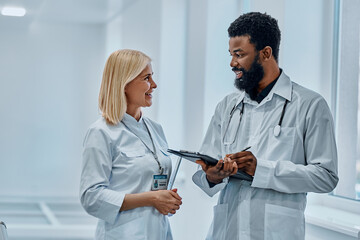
pixel 166 201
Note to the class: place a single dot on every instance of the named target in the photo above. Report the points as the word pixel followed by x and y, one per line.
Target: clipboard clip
pixel 184 151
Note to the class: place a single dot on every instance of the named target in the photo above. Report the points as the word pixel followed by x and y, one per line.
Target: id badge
pixel 159 182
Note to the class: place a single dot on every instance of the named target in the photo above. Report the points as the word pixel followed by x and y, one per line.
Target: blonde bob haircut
pixel 122 67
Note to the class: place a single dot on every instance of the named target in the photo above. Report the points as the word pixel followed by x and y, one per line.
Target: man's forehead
pixel 240 43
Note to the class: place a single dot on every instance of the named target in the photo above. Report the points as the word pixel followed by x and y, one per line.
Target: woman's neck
pixel 135 112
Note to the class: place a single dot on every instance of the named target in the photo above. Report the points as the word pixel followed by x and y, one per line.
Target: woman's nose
pixel 153 84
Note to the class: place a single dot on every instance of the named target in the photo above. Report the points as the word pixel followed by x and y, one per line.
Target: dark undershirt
pixel 266 90
pixel 258 99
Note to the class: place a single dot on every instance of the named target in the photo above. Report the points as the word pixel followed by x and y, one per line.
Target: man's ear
pixel 266 53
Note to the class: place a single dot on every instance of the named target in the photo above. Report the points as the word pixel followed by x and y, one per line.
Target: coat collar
pixel 140 130
pixel 283 87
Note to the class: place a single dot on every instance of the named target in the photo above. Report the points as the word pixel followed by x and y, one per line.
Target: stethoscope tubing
pixel 231 115
pixel 277 128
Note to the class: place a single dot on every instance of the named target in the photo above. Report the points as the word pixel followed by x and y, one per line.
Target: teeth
pixel 238 74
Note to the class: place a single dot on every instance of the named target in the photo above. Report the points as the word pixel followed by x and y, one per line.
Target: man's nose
pixel 233 63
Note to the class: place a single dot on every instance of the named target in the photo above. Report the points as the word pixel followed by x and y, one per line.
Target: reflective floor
pixel 46 218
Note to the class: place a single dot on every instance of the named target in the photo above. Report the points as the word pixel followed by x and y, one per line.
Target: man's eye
pixel 237 55
pixel 147 78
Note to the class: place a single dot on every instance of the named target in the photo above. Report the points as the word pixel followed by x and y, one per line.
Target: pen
pixel 246 148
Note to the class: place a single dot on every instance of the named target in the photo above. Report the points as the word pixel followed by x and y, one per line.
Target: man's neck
pixel 269 76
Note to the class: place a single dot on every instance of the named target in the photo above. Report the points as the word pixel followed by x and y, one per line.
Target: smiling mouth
pixel 238 74
pixel 148 94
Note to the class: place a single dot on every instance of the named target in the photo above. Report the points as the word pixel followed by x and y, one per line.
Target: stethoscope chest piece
pixel 277 130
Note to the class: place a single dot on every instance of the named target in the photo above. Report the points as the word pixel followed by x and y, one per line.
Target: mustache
pixel 238 69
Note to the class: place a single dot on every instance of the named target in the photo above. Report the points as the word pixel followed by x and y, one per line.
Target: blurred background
pixel 51 63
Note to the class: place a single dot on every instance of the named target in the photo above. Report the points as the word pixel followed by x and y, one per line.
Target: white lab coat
pixel 116 162
pixel 303 158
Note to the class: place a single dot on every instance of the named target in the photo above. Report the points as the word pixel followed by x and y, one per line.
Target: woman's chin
pixel 148 104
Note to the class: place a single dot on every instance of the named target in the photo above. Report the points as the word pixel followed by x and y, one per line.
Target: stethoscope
pixel 277 128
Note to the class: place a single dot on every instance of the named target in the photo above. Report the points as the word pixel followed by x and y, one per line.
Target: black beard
pixel 250 79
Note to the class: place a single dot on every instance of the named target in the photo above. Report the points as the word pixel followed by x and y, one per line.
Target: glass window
pixel 347 98
pixel 357 185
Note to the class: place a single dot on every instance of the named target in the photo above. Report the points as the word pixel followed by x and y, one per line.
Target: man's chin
pixel 236 83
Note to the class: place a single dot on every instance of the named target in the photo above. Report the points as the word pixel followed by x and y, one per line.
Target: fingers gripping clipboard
pixel 193 156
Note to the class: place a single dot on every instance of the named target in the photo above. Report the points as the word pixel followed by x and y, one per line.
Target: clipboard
pixel 173 174
pixel 173 177
pixel 193 156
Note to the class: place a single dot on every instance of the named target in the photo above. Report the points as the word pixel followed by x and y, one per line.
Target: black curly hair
pixel 262 29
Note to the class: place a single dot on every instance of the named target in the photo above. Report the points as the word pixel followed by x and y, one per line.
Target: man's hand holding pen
pixel 245 161
pixel 223 169
pixel 228 166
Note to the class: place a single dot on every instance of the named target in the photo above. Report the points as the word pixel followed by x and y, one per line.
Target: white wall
pixel 307 51
pixel 219 79
pixel 49 74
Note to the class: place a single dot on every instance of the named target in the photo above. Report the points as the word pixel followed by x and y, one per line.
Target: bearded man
pixel 273 129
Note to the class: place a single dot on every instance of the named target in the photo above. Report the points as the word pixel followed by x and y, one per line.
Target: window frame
pixel 345 78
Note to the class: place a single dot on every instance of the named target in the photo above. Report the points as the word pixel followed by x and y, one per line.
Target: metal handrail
pixel 3 232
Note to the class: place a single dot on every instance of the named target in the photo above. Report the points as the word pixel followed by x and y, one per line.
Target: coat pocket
pixel 280 147
pixel 283 223
pixel 219 225
pixel 128 227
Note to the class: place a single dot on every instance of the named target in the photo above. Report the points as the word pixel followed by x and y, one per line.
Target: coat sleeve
pixel 211 146
pixel 319 173
pixel 95 196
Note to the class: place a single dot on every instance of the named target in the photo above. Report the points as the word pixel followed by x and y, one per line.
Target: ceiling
pixel 74 11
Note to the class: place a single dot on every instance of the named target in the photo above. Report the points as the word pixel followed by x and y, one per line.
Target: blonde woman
pixel 125 163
